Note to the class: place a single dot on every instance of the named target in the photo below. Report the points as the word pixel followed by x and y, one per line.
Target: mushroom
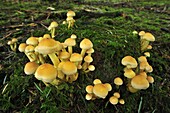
pixel 150 79
pixel 32 41
pixel 49 47
pixel 90 68
pixel 69 68
pixel 97 81
pixel 122 101
pixel 87 61
pixel 116 94
pixel 52 28
pixel 47 73
pixel 139 82
pixel 89 96
pixel 108 86
pixel 76 58
pixel 85 44
pixel 113 100
pixel 89 89
pixel 71 13
pixel 118 81
pixel 100 90
pixel 30 68
pixel 145 39
pixel 64 56
pixel 13 44
pixel 129 62
pixel 69 42
pixel 129 73
pixel 131 89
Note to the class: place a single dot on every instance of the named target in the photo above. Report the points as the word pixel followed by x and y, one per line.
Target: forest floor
pixel 110 27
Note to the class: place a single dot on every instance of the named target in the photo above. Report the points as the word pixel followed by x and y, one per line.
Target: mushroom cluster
pixel 13 44
pixel 99 90
pixel 70 20
pixel 145 38
pixel 136 73
pixel 115 99
pixel 66 62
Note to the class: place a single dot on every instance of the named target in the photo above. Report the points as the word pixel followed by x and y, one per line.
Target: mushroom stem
pixel 69 24
pixel 53 32
pixel 83 51
pixel 55 82
pixel 70 49
pixel 31 56
pixel 41 59
pixel 144 44
pixel 54 59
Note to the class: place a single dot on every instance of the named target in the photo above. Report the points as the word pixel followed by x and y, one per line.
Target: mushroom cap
pixel 108 86
pixel 89 51
pixel 148 36
pixel 150 79
pixel 30 68
pixel 64 55
pixel 29 48
pixel 69 42
pixel 122 101
pixel 46 36
pixel 118 81
pixel 100 90
pixel 69 18
pixel 91 67
pixel 46 72
pixel 147 54
pixel 10 42
pixel 113 100
pixel 69 68
pixel 89 89
pixel 129 73
pixel 86 44
pixel 88 59
pixel 141 33
pixel 142 59
pixel 71 13
pixel 149 68
pixel 116 94
pixel 76 57
pixel 32 41
pixel 53 25
pixel 143 74
pixel 89 96
pixel 129 62
pixel 97 81
pixel 132 89
pixel 14 40
pixel 143 65
pixel 48 45
pixel 22 47
pixel 73 36
pixel 139 82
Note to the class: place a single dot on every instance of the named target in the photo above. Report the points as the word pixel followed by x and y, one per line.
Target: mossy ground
pixel 113 39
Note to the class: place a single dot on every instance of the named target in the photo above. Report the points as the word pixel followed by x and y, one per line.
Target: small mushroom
pixel 129 62
pixel 52 28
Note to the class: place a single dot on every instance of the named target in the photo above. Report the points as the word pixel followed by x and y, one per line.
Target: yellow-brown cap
pixel 100 90
pixel 129 62
pixel 30 68
pixel 46 72
pixel 139 82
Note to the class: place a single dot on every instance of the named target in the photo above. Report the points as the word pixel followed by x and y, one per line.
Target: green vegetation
pixel 110 29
